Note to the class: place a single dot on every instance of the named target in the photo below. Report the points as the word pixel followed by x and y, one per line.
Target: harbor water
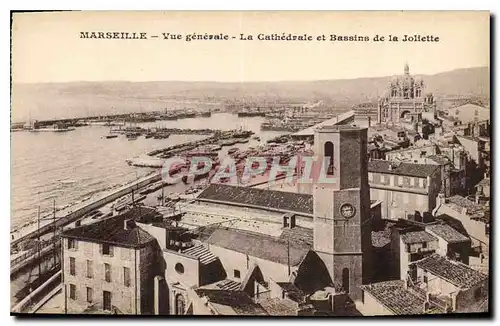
pixel 68 167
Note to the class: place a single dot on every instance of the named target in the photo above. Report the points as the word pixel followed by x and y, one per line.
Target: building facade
pixel 404 188
pixel 109 267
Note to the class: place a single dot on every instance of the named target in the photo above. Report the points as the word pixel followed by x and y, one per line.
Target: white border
pixel 192 5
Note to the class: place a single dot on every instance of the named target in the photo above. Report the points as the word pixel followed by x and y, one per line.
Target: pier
pixel 73 213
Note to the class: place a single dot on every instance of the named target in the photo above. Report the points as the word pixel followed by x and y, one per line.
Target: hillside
pixel 80 99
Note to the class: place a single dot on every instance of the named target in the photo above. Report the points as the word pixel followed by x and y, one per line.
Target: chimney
pixel 128 224
pixel 390 166
pixel 369 121
pixel 292 221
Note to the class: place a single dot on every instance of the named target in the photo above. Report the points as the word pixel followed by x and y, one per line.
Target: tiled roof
pixel 448 233
pixel 454 272
pixel 417 237
pixel 259 245
pixel 380 239
pixel 457 203
pixel 407 169
pixel 279 200
pixel 112 231
pixel 439 159
pixel 201 252
pixel 239 301
pixel 279 307
pixel 293 292
pixel 298 234
pixel 484 182
pixel 395 297
pixel 228 285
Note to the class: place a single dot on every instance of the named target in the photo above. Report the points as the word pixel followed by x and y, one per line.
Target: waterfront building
pixel 109 266
pixel 405 100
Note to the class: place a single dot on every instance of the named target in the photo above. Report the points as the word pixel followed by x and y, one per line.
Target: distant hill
pixel 81 99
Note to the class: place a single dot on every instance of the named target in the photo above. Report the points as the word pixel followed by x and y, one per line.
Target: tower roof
pixel 407 69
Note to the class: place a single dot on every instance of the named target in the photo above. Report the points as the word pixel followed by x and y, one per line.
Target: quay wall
pixel 87 207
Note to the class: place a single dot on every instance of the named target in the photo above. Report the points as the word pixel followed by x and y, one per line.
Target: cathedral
pixel 404 100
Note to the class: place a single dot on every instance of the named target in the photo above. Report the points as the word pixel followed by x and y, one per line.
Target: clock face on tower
pixel 347 210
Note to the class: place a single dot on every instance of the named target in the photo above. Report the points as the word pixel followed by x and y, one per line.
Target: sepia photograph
pixel 250 163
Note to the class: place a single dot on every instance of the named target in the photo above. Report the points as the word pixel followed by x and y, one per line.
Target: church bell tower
pixel 342 217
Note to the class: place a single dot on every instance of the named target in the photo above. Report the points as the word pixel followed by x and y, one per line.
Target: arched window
pixel 345 279
pixel 180 304
pixel 329 153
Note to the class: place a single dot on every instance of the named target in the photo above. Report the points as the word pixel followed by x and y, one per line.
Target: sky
pixel 46 47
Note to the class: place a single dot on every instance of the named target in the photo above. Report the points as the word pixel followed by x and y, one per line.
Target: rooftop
pixel 268 199
pixel 228 302
pixel 453 272
pixel 448 233
pixel 336 120
pixel 486 182
pixel 417 237
pixel 439 159
pixel 279 307
pixel 202 253
pixel 338 128
pixel 224 284
pixel 294 293
pixel 112 231
pixel 406 169
pixel 259 245
pixel 393 296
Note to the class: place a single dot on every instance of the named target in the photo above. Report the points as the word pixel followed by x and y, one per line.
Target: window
pixel 72 244
pixel 72 268
pixel 476 112
pixel 107 249
pixel 106 300
pixel 107 272
pixel 237 273
pixel 72 291
pixel 126 276
pixel 425 279
pixel 179 268
pixel 345 279
pixel 329 155
pixel 478 293
pixel 90 295
pixel 424 245
pixel 90 270
pixel 179 304
pixel 400 181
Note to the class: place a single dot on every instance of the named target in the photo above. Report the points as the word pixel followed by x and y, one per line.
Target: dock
pixel 74 213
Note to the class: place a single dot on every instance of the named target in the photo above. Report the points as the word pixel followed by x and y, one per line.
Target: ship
pixel 55 128
pixel 206 114
pixel 111 136
pixel 251 114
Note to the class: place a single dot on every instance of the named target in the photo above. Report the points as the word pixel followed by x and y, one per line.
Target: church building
pixel 405 101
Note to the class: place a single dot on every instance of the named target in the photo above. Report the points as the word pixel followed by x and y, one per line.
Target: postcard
pixel 253 163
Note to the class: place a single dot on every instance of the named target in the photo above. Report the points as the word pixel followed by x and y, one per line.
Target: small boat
pixel 233 150
pixel 111 136
pixel 131 136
